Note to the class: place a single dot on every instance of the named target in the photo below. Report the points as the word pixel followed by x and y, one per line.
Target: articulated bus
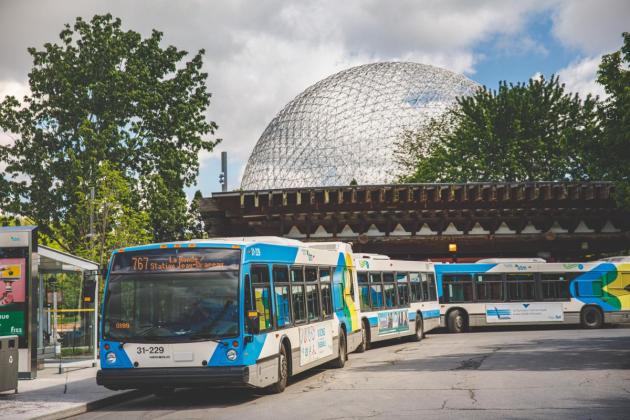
pixel 397 298
pixel 233 312
pixel 531 292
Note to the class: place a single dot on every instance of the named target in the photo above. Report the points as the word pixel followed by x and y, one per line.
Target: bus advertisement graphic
pixel 12 296
pixel 393 322
pixel 524 312
pixel 315 342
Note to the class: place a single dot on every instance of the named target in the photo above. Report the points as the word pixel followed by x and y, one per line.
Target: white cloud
pixel 591 26
pixel 261 54
pixel 581 77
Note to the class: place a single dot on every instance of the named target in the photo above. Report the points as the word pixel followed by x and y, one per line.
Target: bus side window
pixel 432 288
pixel 262 296
pixel 425 286
pixel 298 301
pixel 555 286
pixel 416 287
pixel 457 288
pixel 403 289
pixel 312 302
pixel 281 287
pixel 324 279
pixel 589 288
pixel 520 287
pixel 364 291
pixel 389 290
pixel 376 290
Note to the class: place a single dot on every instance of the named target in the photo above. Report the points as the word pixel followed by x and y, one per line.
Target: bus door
pixel 258 298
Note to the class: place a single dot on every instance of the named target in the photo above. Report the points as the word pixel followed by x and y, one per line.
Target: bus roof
pixel 248 240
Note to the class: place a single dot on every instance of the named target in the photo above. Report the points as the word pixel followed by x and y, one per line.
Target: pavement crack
pixel 472 396
pixel 474 363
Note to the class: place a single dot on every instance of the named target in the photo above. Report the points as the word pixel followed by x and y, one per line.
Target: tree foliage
pixel 522 132
pixel 612 151
pixel 197 230
pixel 106 106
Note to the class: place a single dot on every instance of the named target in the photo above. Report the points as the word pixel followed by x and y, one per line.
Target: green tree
pixel 103 94
pixel 523 132
pixel 196 225
pixel 116 223
pixel 612 152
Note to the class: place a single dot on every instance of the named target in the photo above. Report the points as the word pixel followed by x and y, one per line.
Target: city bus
pixel 231 312
pixel 530 292
pixel 397 298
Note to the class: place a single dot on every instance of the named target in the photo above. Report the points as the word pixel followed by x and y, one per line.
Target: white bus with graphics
pixel 397 298
pixel 226 312
pixel 532 292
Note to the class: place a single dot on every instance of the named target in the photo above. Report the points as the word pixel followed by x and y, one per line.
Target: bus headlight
pixel 111 357
pixel 231 354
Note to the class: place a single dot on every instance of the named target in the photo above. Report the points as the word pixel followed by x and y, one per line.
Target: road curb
pixel 92 405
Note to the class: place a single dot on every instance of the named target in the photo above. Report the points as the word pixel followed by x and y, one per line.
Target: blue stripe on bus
pixel 271 253
pixel 458 268
pixel 122 360
pixel 433 313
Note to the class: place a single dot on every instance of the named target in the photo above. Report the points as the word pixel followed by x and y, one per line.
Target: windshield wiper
pixel 151 328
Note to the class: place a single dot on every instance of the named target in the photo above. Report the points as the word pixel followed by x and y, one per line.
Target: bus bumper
pixel 117 379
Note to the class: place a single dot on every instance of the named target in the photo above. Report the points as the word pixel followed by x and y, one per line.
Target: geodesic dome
pixel 345 127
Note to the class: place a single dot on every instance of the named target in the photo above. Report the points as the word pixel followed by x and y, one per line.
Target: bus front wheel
pixel 457 321
pixel 419 335
pixel 592 317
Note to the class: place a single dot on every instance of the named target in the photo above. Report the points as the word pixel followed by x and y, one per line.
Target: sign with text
pixel 524 312
pixel 176 259
pixel 12 296
pixel 315 342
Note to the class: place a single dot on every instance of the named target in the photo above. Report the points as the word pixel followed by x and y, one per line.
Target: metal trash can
pixel 9 363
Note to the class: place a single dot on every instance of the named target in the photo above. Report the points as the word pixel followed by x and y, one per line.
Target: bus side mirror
pixel 252 322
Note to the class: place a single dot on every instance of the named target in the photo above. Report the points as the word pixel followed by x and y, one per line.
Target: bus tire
pixel 283 373
pixel 419 334
pixel 457 321
pixel 365 337
pixel 340 361
pixel 591 317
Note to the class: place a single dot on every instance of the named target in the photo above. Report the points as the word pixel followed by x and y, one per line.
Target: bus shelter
pixel 53 327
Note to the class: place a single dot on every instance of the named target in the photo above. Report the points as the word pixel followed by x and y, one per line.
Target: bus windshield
pixel 164 298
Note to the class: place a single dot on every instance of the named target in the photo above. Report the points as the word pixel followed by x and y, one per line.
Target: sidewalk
pixel 54 396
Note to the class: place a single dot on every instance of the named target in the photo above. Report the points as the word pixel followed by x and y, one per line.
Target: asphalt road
pixel 526 373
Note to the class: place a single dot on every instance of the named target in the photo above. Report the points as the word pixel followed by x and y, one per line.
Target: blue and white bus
pixel 533 292
pixel 397 298
pixel 232 312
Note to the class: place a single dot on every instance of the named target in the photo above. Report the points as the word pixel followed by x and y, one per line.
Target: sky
pixel 260 54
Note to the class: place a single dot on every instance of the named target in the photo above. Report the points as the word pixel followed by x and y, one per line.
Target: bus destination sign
pixel 169 260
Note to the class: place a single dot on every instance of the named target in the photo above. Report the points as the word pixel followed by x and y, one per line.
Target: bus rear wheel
pixel 340 361
pixel 283 373
pixel 365 337
pixel 457 321
pixel 591 318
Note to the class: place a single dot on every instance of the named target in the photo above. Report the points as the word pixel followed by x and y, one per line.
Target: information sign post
pixel 19 293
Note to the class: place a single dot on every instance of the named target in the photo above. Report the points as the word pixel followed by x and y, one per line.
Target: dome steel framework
pixel 345 127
